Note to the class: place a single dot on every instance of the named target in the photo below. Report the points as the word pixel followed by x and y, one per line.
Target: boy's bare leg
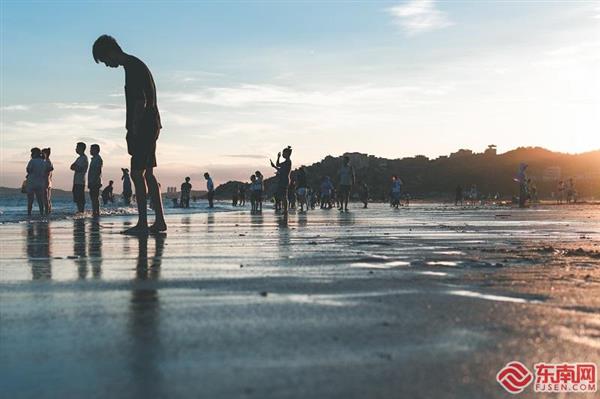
pixel 39 196
pixel 29 203
pixel 140 194
pixel 154 192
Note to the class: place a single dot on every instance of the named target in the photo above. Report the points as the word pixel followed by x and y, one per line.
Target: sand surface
pixel 425 302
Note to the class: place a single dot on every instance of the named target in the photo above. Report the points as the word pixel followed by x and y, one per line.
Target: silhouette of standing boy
pixel 143 127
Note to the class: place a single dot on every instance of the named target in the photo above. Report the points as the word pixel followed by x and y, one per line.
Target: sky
pixel 238 81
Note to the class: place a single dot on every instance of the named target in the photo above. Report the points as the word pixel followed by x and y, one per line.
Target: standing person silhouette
pixel 261 189
pixel 347 180
pixel 95 179
pixel 37 170
pixel 210 187
pixel 364 195
pixel 283 172
pixel 143 128
pixel 186 191
pixel 48 206
pixel 126 186
pixel 80 167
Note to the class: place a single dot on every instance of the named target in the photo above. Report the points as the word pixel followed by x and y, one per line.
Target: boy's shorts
pixel 142 148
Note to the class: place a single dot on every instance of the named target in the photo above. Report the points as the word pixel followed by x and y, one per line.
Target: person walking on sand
pixel 242 194
pixel 253 190
pixel 186 190
pixel 302 189
pixel 396 191
pixel 80 167
pixel 283 171
pixel 364 195
pixel 347 180
pixel 126 186
pixel 326 188
pixel 50 168
pixel 95 179
pixel 143 127
pixel 37 170
pixel 210 187
pixel 107 193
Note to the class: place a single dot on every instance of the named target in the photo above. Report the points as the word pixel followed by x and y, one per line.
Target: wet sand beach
pixel 429 301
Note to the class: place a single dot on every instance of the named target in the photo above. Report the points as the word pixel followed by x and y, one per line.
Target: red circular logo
pixel 514 377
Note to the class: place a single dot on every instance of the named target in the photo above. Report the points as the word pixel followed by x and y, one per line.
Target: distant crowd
pixel 292 190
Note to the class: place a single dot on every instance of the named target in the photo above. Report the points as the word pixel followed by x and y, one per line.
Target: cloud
pixel 246 95
pixel 88 106
pixel 246 156
pixel 16 107
pixel 419 16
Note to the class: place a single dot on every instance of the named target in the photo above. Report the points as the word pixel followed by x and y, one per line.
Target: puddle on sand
pixel 442 263
pixel 428 273
pixel 335 299
pixel 491 297
pixel 386 265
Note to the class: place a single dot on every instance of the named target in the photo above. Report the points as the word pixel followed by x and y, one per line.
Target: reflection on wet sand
pixel 186 224
pixel 39 250
pixel 144 321
pixel 95 249
pixel 283 237
pixel 210 222
pixel 257 220
pixel 79 247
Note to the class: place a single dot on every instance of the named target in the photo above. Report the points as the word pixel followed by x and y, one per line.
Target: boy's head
pixel 80 148
pixel 107 50
pixel 95 149
pixel 253 178
pixel 287 152
pixel 206 175
pixel 187 179
pixel 46 152
pixel 110 182
pixel 36 152
pixel 125 171
pixel 258 174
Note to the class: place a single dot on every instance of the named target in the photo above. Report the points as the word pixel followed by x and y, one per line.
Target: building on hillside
pixel 491 150
pixel 171 192
pixel 461 153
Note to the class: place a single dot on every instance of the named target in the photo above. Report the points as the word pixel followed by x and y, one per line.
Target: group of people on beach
pixel 38 181
pixel 143 127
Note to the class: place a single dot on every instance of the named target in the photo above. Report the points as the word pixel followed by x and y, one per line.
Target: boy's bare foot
pixel 158 228
pixel 136 231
